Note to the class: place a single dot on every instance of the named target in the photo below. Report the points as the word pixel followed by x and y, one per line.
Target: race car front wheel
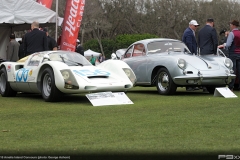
pixel 5 88
pixel 50 92
pixel 164 82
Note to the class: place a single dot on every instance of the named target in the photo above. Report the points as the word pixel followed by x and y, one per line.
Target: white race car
pixel 53 73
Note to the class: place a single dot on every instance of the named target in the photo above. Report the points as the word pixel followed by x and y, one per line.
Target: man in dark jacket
pixel 35 41
pixel 21 53
pixel 52 44
pixel 190 40
pixel 79 48
pixel 207 38
pixel 189 36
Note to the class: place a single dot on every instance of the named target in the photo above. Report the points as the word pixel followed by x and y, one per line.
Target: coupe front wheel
pixel 50 92
pixel 5 88
pixel 164 82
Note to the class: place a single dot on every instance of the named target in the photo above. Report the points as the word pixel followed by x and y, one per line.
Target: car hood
pixel 94 74
pixel 200 62
pixel 90 71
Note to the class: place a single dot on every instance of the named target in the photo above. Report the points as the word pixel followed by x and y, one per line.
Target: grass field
pixel 188 122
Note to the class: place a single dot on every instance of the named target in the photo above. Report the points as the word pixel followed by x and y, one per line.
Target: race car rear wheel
pixel 50 92
pixel 5 88
pixel 164 82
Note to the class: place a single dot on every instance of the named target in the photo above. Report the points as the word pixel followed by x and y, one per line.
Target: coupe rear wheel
pixel 164 82
pixel 5 88
pixel 50 92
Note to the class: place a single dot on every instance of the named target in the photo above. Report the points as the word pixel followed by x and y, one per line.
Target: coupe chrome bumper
pixel 204 79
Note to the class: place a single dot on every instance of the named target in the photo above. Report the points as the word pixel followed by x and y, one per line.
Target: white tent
pixel 89 52
pixel 16 15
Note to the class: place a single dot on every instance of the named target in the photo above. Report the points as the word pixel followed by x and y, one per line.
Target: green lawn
pixel 188 122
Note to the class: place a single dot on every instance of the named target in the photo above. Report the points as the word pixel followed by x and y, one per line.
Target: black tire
pixel 50 92
pixel 164 82
pixel 5 88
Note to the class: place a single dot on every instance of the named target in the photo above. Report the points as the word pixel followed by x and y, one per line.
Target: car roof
pixel 145 41
pixel 44 52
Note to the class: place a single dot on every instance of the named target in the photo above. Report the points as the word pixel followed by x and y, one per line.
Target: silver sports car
pixel 168 64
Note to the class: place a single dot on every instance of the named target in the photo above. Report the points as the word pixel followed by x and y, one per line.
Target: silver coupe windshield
pixel 167 46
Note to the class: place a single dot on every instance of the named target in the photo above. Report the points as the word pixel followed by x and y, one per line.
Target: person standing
pixel 189 39
pixel 35 41
pixel 207 38
pixel 224 40
pixel 233 47
pixel 12 49
pixel 79 48
pixel 93 60
pixel 21 53
pixel 52 44
pixel 189 36
pixel 101 58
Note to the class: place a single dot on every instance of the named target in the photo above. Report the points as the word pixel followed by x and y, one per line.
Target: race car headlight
pixel 69 80
pixel 130 75
pixel 65 75
pixel 228 63
pixel 182 63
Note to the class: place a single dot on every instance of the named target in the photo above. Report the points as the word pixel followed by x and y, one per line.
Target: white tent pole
pixel 56 30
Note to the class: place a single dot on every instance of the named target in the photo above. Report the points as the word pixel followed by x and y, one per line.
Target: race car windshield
pixel 70 58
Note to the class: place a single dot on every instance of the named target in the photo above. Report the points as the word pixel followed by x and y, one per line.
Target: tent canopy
pixel 89 52
pixel 16 15
pixel 21 13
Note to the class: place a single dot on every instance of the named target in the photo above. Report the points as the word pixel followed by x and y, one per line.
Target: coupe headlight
pixel 130 75
pixel 182 63
pixel 228 63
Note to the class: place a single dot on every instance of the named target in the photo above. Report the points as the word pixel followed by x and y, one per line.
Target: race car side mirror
pixel 46 57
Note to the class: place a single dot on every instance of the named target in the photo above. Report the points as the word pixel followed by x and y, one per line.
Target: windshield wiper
pixel 65 59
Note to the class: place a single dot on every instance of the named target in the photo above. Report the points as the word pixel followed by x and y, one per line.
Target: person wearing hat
pixel 12 49
pixel 189 36
pixel 190 40
pixel 233 46
pixel 52 44
pixel 207 38
pixel 79 48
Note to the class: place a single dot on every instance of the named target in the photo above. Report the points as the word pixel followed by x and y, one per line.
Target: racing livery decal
pixel 87 72
pixel 30 73
pixel 9 68
pixel 22 75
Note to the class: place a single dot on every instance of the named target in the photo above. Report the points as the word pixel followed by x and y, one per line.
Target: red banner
pixel 46 3
pixel 71 24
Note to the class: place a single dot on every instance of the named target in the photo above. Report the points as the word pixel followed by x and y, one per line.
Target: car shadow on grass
pixel 78 98
pixel 181 91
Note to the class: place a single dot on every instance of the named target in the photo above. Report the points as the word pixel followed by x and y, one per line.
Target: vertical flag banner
pixel 71 24
pixel 46 3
